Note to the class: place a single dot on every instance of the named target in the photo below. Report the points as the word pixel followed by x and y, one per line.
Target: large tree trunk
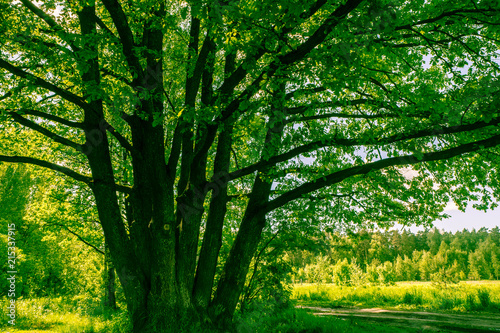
pixel 156 256
pixel 233 278
pixel 109 280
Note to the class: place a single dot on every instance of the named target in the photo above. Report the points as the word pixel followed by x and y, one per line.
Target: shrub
pixel 412 298
pixel 484 298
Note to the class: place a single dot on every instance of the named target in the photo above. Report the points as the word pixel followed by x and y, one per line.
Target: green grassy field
pixel 461 297
pixel 63 315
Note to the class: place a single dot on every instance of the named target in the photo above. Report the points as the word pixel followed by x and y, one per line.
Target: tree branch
pixel 52 166
pixel 55 167
pixel 41 14
pixel 326 142
pixel 77 236
pixel 314 90
pixel 50 21
pixel 47 116
pixel 320 34
pixel 444 15
pixel 288 59
pixel 40 129
pixel 70 97
pixel 339 176
pixel 121 139
pixel 104 27
pixel 127 38
pixel 6 95
pixel 107 72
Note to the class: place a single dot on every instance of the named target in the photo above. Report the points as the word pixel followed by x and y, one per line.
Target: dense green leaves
pixel 387 257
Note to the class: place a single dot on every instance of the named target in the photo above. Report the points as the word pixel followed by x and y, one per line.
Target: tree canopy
pixel 187 118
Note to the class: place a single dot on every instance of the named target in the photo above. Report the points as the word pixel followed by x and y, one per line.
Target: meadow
pixel 462 297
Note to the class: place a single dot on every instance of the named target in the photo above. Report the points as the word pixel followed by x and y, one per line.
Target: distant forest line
pixel 393 255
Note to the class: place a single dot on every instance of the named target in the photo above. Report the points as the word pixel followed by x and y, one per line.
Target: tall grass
pixel 58 315
pixel 461 297
pixel 66 315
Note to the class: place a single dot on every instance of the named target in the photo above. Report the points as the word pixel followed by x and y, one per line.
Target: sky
pixel 470 219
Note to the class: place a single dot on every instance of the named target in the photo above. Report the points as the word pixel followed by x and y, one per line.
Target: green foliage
pixel 355 259
pixel 63 314
pixel 46 251
pixel 413 297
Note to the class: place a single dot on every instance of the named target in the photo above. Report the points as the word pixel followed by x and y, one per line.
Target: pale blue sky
pixel 471 219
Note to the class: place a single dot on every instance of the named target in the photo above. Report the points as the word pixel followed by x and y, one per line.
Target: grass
pixel 481 296
pixel 63 315
pixel 301 321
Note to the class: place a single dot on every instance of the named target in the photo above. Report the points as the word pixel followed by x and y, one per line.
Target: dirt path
pixel 427 321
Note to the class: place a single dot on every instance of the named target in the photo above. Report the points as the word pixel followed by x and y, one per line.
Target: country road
pixel 426 321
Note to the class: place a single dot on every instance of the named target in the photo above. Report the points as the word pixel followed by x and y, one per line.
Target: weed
pixel 413 297
pixel 484 298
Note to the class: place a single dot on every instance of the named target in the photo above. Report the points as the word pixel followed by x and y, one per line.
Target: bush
pixel 413 297
pixel 484 298
pixel 347 274
pixel 386 273
pixel 290 321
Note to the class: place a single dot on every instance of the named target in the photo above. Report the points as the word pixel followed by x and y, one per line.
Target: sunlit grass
pixel 460 297
pixel 61 315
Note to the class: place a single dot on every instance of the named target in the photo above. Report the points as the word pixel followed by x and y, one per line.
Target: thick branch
pixel 6 95
pixel 40 129
pixel 52 166
pixel 70 97
pixel 50 21
pixel 41 14
pixel 339 176
pixel 321 33
pixel 55 167
pixel 327 142
pixel 103 26
pixel 48 116
pixel 121 139
pixel 238 75
pixel 127 38
pixel 285 60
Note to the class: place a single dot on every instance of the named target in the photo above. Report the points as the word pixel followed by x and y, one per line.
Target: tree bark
pixel 109 281
pixel 232 281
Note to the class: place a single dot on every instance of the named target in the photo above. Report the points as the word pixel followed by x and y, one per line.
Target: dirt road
pixel 425 321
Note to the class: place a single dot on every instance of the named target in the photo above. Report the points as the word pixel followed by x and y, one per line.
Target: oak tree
pixel 188 117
